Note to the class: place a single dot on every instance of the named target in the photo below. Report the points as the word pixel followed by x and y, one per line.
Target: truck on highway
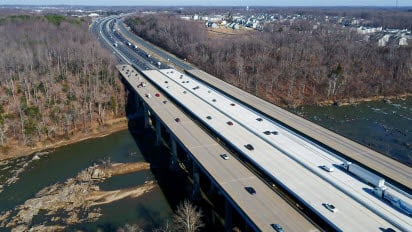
pixel 397 203
pixel 363 174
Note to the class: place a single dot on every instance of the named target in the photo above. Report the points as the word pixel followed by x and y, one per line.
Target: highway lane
pixel 263 208
pixel 311 190
pixel 389 168
pixel 137 40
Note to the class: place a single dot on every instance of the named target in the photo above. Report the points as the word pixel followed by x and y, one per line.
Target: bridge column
pixel 228 216
pixel 146 116
pixel 196 184
pixel 212 189
pixel 137 100
pixel 173 159
pixel 158 127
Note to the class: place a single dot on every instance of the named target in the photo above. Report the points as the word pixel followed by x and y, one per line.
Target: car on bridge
pixel 250 190
pixel 277 227
pixel 224 156
pixel 249 147
pixel 330 207
pixel 326 168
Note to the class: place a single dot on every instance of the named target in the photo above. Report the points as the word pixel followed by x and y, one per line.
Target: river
pixel 149 211
pixel 383 126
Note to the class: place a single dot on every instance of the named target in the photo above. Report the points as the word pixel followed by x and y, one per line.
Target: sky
pixel 212 2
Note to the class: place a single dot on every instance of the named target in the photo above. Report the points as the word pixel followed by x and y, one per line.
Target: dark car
pixel 232 104
pixel 259 119
pixel 177 119
pixel 229 123
pixel 277 227
pixel 249 147
pixel 250 190
pixel 209 117
pixel 267 132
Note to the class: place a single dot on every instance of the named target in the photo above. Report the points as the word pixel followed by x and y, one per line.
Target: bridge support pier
pixel 173 159
pixel 228 216
pixel 212 189
pixel 196 184
pixel 136 100
pixel 158 127
pixel 146 116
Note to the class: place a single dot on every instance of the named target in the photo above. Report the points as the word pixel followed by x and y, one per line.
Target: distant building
pixel 211 24
pixel 382 42
pixel 93 15
pixel 368 30
pixel 186 17
pixel 403 41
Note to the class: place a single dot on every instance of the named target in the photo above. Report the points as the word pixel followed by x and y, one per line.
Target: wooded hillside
pixel 55 80
pixel 287 64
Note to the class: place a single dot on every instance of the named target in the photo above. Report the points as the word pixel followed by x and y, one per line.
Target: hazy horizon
pixel 281 3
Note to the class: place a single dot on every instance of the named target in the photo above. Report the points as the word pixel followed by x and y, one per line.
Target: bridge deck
pixel 263 208
pixel 388 167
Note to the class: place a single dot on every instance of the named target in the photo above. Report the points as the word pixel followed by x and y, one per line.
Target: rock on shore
pixel 75 200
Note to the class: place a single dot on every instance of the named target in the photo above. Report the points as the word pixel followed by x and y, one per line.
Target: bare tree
pixel 130 228
pixel 188 217
pixel 166 228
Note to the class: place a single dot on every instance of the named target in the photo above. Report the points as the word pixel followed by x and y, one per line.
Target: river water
pixel 383 126
pixel 149 211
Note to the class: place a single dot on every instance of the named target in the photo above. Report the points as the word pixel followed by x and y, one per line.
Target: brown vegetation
pixel 287 64
pixel 55 81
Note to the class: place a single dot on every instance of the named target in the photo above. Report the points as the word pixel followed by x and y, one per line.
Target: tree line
pixel 55 80
pixel 289 63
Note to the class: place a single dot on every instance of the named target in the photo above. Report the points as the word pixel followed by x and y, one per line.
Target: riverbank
pixel 352 101
pixel 111 126
pixel 75 200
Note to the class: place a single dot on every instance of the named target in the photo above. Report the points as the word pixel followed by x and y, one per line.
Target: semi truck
pixel 397 203
pixel 364 175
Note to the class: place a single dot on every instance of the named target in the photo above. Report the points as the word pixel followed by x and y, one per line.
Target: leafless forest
pixel 55 80
pixel 287 64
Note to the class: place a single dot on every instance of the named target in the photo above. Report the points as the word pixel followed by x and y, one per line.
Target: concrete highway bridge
pixel 245 146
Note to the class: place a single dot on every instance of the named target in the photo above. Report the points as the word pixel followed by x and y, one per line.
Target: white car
pixel 224 156
pixel 327 168
pixel 330 207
